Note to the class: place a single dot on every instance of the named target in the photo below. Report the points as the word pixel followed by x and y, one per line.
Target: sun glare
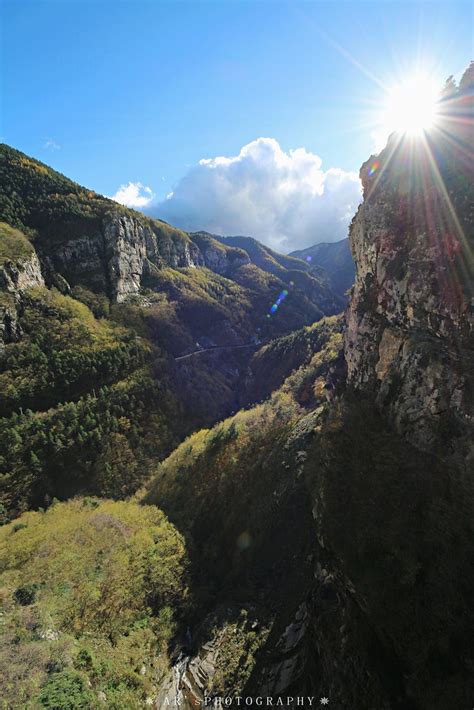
pixel 411 106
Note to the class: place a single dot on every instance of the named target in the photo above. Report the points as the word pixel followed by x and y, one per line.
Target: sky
pixel 235 117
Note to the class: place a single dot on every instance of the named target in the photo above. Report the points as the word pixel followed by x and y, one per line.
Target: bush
pixel 67 690
pixel 92 592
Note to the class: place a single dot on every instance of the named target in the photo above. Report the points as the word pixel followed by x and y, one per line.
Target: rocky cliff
pixel 409 339
pixel 116 255
pixel 20 270
pixel 391 474
pixel 345 501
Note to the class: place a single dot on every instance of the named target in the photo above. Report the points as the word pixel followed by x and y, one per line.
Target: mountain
pixel 98 306
pixel 316 543
pixel 263 256
pixel 337 514
pixel 335 258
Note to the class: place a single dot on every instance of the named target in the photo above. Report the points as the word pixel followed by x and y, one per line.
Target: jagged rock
pixel 115 255
pixel 195 680
pixel 9 328
pixel 22 274
pixel 15 278
pixel 119 254
pixel 410 319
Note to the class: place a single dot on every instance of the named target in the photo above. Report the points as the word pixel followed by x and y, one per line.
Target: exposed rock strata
pixel 117 254
pixel 15 278
pixel 409 337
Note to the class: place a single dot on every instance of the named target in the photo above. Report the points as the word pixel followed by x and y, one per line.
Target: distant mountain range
pixel 335 258
pixel 331 262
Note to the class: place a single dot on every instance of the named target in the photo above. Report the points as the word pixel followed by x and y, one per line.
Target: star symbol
pixel 324 701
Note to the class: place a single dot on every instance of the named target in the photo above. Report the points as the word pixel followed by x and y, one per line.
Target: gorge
pixel 289 519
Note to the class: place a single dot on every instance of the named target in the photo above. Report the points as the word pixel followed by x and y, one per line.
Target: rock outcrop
pixel 117 253
pixel 409 339
pixel 21 274
pixel 16 277
pixel 218 257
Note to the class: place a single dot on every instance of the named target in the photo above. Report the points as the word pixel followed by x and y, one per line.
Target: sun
pixel 412 106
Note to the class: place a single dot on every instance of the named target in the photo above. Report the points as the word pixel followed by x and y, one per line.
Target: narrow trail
pixel 214 348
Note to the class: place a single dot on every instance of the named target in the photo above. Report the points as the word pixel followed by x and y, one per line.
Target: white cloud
pixel 50 144
pixel 134 194
pixel 284 199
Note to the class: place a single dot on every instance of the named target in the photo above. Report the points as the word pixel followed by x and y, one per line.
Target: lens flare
pixel 279 301
pixel 374 167
pixel 244 541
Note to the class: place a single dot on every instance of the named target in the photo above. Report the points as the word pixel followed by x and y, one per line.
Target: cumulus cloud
pixel 134 194
pixel 284 199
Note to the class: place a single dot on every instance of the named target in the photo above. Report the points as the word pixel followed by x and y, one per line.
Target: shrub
pixel 67 690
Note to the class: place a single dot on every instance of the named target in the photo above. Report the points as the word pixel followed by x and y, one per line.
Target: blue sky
pixel 113 92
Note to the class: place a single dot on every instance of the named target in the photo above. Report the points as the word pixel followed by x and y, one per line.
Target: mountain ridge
pixel 316 543
pixel 98 305
pixel 335 258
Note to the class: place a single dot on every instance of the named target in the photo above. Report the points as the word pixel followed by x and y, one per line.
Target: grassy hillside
pixel 265 258
pixel 33 196
pixel 64 352
pixel 275 361
pixel 310 278
pixel 37 199
pixel 204 306
pixel 91 591
pixel 248 458
pixel 14 246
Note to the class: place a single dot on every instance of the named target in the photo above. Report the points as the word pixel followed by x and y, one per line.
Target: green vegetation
pixel 61 451
pixel 196 303
pixel 319 343
pixel 47 205
pixel 264 257
pixel 33 196
pixel 306 501
pixel 64 352
pixel 242 459
pixel 74 388
pixel 78 388
pixel 238 634
pixel 335 258
pixel 91 591
pixel 91 395
pixel 14 246
pixel 186 306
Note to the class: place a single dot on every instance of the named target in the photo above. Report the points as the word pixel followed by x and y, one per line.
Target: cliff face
pixel 21 275
pixel 83 238
pixel 20 270
pixel 365 483
pixel 409 339
pixel 115 255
